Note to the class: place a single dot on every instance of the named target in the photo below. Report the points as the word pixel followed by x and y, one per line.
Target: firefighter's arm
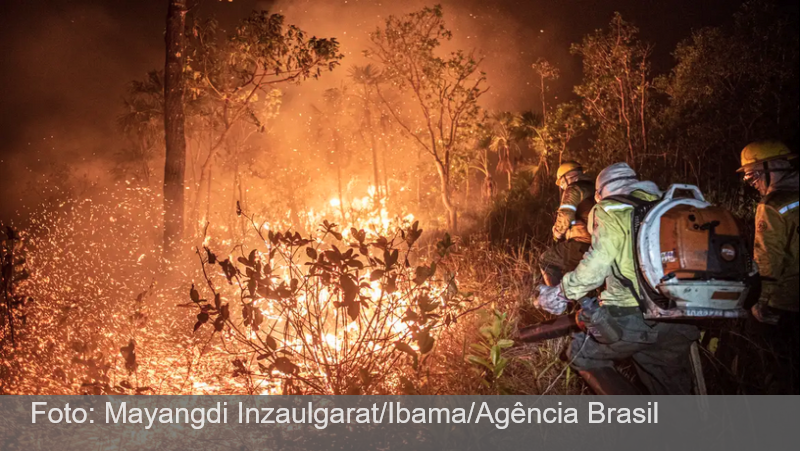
pixel 770 248
pixel 567 212
pixel 591 273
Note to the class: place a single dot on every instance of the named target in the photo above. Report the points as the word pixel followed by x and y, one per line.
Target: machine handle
pixel 696 193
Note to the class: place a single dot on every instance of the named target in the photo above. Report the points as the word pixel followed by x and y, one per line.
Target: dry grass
pixel 504 282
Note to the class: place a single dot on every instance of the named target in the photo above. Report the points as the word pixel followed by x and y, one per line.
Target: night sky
pixel 66 63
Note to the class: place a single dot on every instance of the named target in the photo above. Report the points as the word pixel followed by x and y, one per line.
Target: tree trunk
pixel 487 190
pixel 386 192
pixel 447 201
pixel 208 199
pixel 341 194
pixel 294 216
pixel 202 183
pixel 466 197
pixel 539 178
pixel 174 123
pixel 337 142
pixel 373 144
pixel 376 174
pixel 197 217
pixel 419 179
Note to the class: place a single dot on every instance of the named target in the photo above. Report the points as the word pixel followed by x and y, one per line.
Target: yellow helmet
pixel 566 168
pixel 763 152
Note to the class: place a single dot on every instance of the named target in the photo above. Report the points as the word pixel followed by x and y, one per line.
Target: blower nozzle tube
pixel 556 328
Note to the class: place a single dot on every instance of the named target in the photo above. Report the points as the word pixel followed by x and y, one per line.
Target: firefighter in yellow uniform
pixel 660 349
pixel 571 230
pixel 771 168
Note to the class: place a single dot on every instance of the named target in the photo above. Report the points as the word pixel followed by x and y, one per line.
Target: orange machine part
pixel 684 240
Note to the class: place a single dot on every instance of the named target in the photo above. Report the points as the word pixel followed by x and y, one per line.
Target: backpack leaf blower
pixel 691 263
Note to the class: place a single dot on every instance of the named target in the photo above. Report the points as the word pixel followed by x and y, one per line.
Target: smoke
pixel 508 41
pixel 64 76
pixel 66 68
pixel 67 64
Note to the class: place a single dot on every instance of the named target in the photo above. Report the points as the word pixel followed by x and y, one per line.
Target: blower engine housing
pixel 693 261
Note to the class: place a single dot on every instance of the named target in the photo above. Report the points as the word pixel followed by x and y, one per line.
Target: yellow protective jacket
pixel 611 258
pixel 776 249
pixel 573 214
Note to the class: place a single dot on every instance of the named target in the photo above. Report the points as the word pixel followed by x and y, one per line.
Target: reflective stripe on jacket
pixel 776 249
pixel 611 255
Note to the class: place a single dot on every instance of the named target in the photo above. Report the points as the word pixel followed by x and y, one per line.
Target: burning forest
pixel 360 199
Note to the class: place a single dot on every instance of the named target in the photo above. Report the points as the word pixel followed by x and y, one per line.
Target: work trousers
pixel 660 351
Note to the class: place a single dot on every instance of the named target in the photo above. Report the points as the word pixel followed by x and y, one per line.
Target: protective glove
pixel 558 236
pixel 551 299
pixel 763 314
pixel 762 311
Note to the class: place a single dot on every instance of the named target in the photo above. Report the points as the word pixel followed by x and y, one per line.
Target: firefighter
pixel 770 167
pixel 660 350
pixel 570 232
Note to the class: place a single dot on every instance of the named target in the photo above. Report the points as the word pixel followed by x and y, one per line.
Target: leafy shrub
pixel 329 314
pixel 494 339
